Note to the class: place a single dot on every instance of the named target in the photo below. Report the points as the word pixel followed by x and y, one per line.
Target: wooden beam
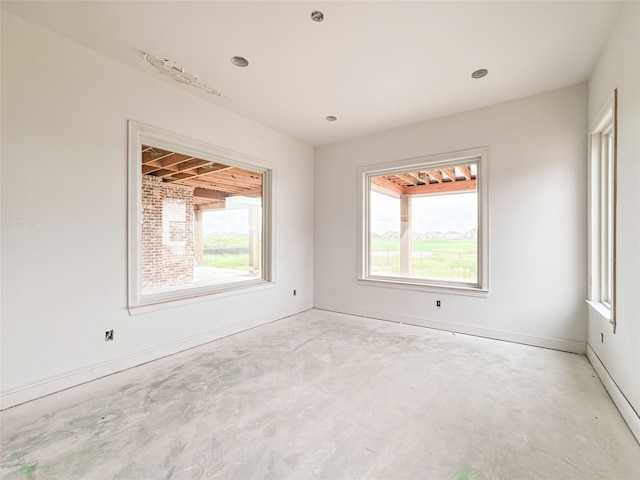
pixel 450 172
pixel 445 187
pixel 466 171
pixel 209 205
pixel 416 178
pixel 220 183
pixel 407 178
pixel 206 193
pixel 386 184
pixel 165 161
pixel 192 164
pixel 435 174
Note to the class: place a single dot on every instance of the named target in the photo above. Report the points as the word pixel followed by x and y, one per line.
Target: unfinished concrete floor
pixel 328 396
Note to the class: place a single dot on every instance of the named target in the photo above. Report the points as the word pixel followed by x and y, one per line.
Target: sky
pixel 454 212
pixel 441 213
pixel 234 219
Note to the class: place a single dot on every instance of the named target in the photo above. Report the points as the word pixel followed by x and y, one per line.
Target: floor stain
pixel 468 474
pixel 230 375
pixel 28 470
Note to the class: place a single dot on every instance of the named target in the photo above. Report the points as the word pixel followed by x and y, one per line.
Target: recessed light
pixel 317 16
pixel 330 118
pixel 480 73
pixel 239 61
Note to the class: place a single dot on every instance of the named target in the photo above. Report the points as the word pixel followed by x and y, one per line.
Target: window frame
pixel 139 134
pixel 601 294
pixel 365 173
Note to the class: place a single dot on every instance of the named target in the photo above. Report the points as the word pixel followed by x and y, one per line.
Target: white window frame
pixel 366 173
pixel 602 212
pixel 140 134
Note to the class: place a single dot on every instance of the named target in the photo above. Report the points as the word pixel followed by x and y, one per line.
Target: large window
pixel 424 222
pixel 199 218
pixel 602 225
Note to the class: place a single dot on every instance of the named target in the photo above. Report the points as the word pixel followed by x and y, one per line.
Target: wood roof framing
pixel 459 178
pixel 203 175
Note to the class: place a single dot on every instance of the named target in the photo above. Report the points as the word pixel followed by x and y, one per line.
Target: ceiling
pixel 373 65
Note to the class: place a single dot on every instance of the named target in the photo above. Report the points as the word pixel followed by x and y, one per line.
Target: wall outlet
pixel 438 304
pixel 108 336
pixel 294 293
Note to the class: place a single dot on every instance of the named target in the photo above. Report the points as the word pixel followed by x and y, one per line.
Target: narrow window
pixel 602 225
pixel 200 218
pixel 424 222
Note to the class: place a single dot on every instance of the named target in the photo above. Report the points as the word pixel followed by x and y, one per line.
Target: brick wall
pixel 167 234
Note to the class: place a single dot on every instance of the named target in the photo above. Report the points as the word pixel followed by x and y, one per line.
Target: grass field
pixel 438 259
pixel 237 241
pixel 234 262
pixel 443 245
pixel 444 259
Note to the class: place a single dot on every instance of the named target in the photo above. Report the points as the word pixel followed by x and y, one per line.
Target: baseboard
pixel 56 383
pixel 624 407
pixel 572 346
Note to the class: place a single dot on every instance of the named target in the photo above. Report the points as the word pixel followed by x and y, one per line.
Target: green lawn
pixel 439 259
pixel 446 259
pixel 463 245
pixel 234 262
pixel 239 241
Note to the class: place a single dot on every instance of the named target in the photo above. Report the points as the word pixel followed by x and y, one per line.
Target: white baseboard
pixel 572 346
pixel 56 383
pixel 624 407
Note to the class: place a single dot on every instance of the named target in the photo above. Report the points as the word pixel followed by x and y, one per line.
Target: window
pixel 602 219
pixel 200 218
pixel 424 222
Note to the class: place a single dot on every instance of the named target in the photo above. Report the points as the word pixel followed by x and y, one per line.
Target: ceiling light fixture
pixel 240 61
pixel 330 118
pixel 480 73
pixel 317 16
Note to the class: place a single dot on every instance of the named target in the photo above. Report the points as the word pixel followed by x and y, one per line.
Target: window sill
pixel 600 310
pixel 425 287
pixel 166 302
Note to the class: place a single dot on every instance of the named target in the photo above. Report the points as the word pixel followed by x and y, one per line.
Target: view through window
pixel 423 225
pixel 444 236
pixel 199 218
pixel 201 222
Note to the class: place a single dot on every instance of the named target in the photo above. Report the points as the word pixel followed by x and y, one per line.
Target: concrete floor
pixel 327 396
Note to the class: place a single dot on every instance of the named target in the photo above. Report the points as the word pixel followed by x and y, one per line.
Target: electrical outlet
pixel 108 335
pixel 294 293
pixel 438 304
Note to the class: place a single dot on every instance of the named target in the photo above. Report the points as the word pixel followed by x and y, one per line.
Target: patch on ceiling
pixel 165 67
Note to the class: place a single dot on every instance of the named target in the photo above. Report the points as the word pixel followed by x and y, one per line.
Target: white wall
pixel 619 67
pixel 64 215
pixel 537 221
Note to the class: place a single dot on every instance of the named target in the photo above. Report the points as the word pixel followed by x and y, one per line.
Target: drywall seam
pixel 50 385
pixel 571 346
pixel 624 407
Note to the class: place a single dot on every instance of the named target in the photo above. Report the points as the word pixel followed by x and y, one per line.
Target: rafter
pixel 449 172
pixel 385 183
pixel 466 171
pixel 407 177
pixel 435 174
